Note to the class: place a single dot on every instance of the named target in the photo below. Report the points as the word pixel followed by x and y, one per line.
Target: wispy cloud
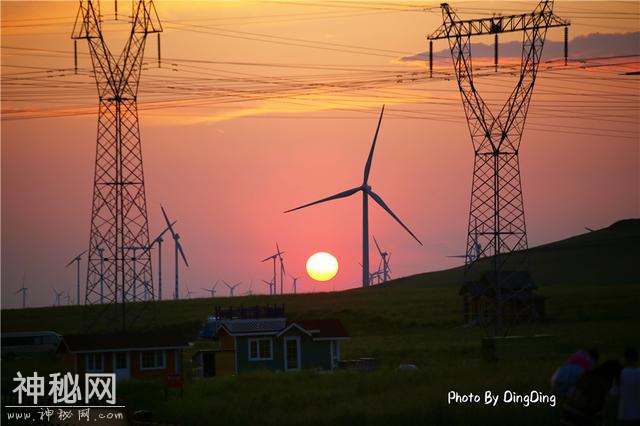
pixel 587 46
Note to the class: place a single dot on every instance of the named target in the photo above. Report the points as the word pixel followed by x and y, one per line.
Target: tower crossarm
pixel 453 27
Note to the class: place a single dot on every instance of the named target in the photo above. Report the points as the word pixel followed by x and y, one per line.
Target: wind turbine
pixel 189 292
pixel 68 298
pixel 282 271
pixel 250 291
pixel 58 295
pixel 273 257
pixel 477 248
pixel 231 287
pixel 23 290
pixel 178 248
pixel 212 289
pixel 158 240
pixel 386 276
pixel 366 193
pixel 295 285
pixel 271 285
pixel 77 260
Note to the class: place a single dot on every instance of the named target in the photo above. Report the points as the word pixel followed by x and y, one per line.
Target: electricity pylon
pixel 119 210
pixel 496 196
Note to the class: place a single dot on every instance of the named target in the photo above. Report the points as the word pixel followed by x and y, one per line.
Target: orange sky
pixel 225 169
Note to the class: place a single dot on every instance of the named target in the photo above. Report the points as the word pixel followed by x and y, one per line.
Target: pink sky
pixel 226 172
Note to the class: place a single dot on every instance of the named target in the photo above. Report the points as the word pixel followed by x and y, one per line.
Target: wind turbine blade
pixel 165 231
pixel 182 253
pixel 367 167
pixel 166 218
pixel 382 204
pixel 377 246
pixel 459 255
pixel 333 197
pixel 268 258
pixel 227 284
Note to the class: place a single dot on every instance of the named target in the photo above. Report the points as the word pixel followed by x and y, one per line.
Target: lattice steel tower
pixel 496 226
pixel 119 268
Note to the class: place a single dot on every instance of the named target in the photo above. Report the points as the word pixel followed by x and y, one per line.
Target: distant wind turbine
pixel 270 284
pixel 212 289
pixel 23 290
pixel 282 270
pixel 58 295
pixel 366 193
pixel 231 287
pixel 158 240
pixel 178 249
pixel 189 292
pixel 477 247
pixel 273 257
pixel 295 285
pixel 250 291
pixel 386 271
pixel 77 260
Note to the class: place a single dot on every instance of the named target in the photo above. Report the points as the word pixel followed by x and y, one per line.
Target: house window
pixel 93 362
pixel 260 349
pixel 152 360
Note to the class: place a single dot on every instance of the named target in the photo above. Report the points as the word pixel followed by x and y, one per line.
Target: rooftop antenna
pixel 231 287
pixel 496 197
pixel 178 249
pixel 23 290
pixel 366 193
pixel 212 289
pixel 77 260
pixel 119 208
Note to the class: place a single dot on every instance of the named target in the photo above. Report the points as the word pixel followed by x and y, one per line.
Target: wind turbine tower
pixel 23 290
pixel 367 192
pixel 119 209
pixel 231 287
pixel 77 259
pixel 497 209
pixel 178 250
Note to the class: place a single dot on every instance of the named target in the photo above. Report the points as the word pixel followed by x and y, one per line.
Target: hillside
pixel 605 256
pixel 416 320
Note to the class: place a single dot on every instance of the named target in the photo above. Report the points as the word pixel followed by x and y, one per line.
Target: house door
pixel 292 353
pixel 121 365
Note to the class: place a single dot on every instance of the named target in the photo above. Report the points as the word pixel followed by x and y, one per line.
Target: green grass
pixel 413 320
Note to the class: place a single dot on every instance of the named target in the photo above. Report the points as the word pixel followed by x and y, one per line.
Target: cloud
pixel 587 46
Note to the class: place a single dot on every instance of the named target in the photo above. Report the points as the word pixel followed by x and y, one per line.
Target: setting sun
pixel 322 266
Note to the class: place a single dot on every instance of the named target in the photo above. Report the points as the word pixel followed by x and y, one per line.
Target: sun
pixel 322 266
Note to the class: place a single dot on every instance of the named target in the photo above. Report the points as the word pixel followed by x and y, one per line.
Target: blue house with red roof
pixel 263 339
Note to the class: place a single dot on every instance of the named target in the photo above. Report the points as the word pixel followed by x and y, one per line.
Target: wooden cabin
pixel 129 356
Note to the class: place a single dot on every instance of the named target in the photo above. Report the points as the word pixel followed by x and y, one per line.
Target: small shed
pixel 128 355
pixel 520 303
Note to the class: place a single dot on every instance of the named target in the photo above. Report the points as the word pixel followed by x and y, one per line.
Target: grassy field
pixel 413 320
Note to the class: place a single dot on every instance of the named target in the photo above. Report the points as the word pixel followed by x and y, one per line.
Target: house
pixel 263 339
pixel 517 292
pixel 128 355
